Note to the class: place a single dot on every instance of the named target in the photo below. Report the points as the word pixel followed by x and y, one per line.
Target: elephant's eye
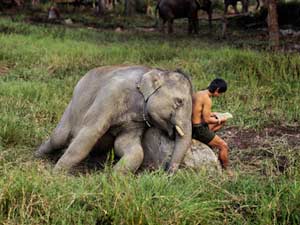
pixel 178 102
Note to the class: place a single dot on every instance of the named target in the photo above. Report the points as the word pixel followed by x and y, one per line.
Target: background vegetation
pixel 39 66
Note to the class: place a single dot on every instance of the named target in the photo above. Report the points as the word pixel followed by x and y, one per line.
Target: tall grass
pixel 262 86
pixel 43 65
pixel 33 196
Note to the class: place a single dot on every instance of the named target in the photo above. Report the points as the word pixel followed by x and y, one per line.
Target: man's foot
pixel 229 172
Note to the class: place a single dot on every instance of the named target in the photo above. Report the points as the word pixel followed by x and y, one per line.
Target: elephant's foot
pixel 61 169
pixel 130 162
pixel 43 150
pixel 79 148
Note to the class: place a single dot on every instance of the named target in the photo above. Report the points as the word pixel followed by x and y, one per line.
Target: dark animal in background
pixel 174 9
pixel 53 13
pixel 11 3
pixel 245 5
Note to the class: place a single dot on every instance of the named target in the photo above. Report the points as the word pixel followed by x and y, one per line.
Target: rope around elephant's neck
pixel 146 117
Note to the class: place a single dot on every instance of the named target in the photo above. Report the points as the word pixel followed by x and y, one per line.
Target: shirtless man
pixel 205 123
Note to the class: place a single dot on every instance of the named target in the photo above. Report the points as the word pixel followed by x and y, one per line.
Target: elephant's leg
pixel 193 25
pixel 59 138
pixel 80 147
pixel 170 26
pixel 96 122
pixel 190 29
pixel 209 14
pixel 128 146
pixel 196 25
pixel 157 148
pixel 163 26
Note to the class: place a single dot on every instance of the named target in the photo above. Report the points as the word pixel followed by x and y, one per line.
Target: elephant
pixel 113 106
pixel 173 9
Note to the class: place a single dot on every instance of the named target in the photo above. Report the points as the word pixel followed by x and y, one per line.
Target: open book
pixel 226 115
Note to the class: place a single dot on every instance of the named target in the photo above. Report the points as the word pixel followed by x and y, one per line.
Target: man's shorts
pixel 201 132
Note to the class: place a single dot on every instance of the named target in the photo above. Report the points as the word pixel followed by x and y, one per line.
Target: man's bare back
pixel 202 108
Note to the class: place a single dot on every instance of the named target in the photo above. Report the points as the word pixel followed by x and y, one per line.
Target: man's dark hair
pixel 217 83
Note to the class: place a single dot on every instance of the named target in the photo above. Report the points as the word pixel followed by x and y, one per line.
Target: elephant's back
pixel 175 8
pixel 107 77
pixel 104 81
pixel 96 78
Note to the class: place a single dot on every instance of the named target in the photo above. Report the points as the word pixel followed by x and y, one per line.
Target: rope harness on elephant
pixel 146 118
pixel 145 115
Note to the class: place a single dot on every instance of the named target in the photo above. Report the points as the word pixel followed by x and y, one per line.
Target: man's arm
pixel 208 116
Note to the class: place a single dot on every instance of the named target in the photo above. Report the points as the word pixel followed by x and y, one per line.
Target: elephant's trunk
pixel 182 143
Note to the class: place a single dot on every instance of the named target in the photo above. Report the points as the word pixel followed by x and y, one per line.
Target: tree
pixel 129 7
pixel 273 24
pixel 100 7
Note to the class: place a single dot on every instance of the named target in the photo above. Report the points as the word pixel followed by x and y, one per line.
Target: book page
pixel 226 115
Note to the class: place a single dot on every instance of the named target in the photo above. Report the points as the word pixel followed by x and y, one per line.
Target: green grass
pixel 32 195
pixel 43 64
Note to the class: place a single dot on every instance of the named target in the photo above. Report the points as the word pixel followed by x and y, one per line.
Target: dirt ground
pixel 273 149
pixel 248 138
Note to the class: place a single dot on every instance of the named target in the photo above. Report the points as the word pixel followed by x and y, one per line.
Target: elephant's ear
pixel 150 82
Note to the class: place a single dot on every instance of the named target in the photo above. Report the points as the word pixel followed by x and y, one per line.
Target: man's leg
pixel 216 127
pixel 220 144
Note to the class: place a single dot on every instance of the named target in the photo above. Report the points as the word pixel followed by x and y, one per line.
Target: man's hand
pixel 223 120
pixel 213 114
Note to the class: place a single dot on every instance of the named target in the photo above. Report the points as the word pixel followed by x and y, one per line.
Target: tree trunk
pixel 129 7
pixel 35 2
pixel 273 24
pixel 18 2
pixel 100 7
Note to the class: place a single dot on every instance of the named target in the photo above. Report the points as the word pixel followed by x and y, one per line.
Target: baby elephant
pixel 174 9
pixel 112 107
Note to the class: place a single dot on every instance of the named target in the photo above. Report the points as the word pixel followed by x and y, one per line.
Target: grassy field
pixel 39 66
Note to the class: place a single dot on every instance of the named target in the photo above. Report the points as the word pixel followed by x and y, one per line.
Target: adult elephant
pixel 113 106
pixel 173 9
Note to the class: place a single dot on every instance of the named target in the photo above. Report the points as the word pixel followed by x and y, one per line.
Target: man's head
pixel 217 86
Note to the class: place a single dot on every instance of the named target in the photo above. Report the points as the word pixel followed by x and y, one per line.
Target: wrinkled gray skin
pixel 174 9
pixel 158 150
pixel 106 111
